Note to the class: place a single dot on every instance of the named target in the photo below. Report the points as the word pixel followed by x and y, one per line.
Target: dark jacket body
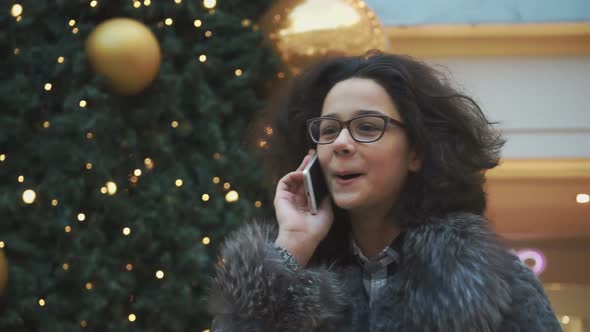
pixel 454 276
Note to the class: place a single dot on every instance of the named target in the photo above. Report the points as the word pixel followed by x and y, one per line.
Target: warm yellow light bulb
pixel 111 188
pixel 75 30
pixel 168 21
pixel 72 22
pixel 226 185
pixel 82 103
pixel 198 23
pixel 583 198
pixel 238 72
pixel 209 4
pixel 83 323
pixel 89 135
pixel 46 124
pixel 178 182
pixel 66 266
pixel 2 157
pixel 42 302
pixel 246 22
pixel 81 217
pixel 54 202
pixel 147 2
pixel 174 124
pixel 126 231
pixel 159 274
pixel 16 10
pixel 132 317
pixel 216 179
pixel 29 196
pixel 137 4
pixel 202 58
pixel 21 179
pixel 177 1
pixel 129 267
pixel 89 286
pixel 206 240
pixel 137 172
pixel 93 3
pixel 208 33
pixel 232 196
pixel 258 204
pixel 88 166
pixel 217 156
pixel 68 229
pixel 1 244
pixel 47 86
pixel 205 197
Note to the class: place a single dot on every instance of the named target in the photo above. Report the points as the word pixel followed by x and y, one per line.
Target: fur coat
pixel 454 276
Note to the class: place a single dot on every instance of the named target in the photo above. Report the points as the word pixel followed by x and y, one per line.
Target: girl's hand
pixel 300 231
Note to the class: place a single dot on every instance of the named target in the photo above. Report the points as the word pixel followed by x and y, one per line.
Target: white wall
pixel 542 104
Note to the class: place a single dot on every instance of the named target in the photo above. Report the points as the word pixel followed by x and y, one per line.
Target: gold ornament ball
pixel 3 272
pixel 126 52
pixel 305 31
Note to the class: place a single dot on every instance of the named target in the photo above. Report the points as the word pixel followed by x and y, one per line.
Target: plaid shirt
pixel 378 270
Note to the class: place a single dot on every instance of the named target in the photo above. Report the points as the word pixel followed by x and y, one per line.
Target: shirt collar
pixel 388 255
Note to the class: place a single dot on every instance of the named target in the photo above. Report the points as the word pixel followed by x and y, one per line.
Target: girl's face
pixel 382 166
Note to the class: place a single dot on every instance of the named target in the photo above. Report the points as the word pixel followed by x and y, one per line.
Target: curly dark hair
pixel 445 127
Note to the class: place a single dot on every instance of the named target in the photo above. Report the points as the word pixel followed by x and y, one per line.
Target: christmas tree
pixel 112 204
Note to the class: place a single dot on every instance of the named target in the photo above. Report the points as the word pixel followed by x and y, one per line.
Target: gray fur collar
pixel 454 276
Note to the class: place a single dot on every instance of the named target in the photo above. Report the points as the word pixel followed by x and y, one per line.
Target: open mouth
pixel 348 176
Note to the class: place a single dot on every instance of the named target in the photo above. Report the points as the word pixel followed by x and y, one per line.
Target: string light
pixel 61 59
pixel 147 2
pixel 16 51
pixel 75 30
pixel 88 166
pixel 168 21
pixel 149 164
pixel 89 135
pixel 133 179
pixel 129 267
pixel 226 185
pixel 2 157
pixel 137 4
pixel 216 179
pixel 46 124
pixel 47 86
pixel 238 72
pixel 93 3
pixel 178 182
pixel 205 197
pixel 208 33
pixel 268 130
pixel 16 10
pixel 54 202
pixel 68 229
pixel 21 179
pixel 206 240
pixel 126 231
pixel 281 75
pixel 89 286
pixel 19 18
pixel 209 4
pixel 217 156
pixel 202 58
pixel 42 302
pixel 159 274
pixel 262 143
pixel 72 22
pixel 583 198
pixel 81 216
pixel 198 23
pixel 82 103
pixel 258 204
pixel 174 124
pixel 29 196
pixel 246 22
pixel 137 172
pixel 1 244
pixel 132 317
pixel 65 266
pixel 83 323
pixel 177 1
pixel 111 188
pixel 231 196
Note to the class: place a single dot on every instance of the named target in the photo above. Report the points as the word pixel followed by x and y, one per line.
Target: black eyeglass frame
pixel 346 124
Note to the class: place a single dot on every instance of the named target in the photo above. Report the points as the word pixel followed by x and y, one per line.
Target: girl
pixel 401 243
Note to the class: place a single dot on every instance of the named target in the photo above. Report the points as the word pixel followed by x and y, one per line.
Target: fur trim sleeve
pixel 253 289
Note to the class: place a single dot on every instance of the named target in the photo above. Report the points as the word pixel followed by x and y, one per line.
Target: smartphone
pixel 315 184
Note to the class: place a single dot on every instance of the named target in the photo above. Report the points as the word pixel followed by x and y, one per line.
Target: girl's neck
pixel 373 232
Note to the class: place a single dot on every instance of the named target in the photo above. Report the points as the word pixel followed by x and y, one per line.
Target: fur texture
pixel 454 276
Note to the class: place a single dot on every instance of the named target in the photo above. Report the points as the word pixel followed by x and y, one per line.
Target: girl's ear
pixel 414 161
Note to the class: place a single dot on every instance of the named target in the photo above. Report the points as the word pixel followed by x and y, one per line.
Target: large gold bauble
pixel 3 272
pixel 305 30
pixel 126 52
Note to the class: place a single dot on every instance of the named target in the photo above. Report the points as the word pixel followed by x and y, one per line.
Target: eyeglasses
pixel 363 129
